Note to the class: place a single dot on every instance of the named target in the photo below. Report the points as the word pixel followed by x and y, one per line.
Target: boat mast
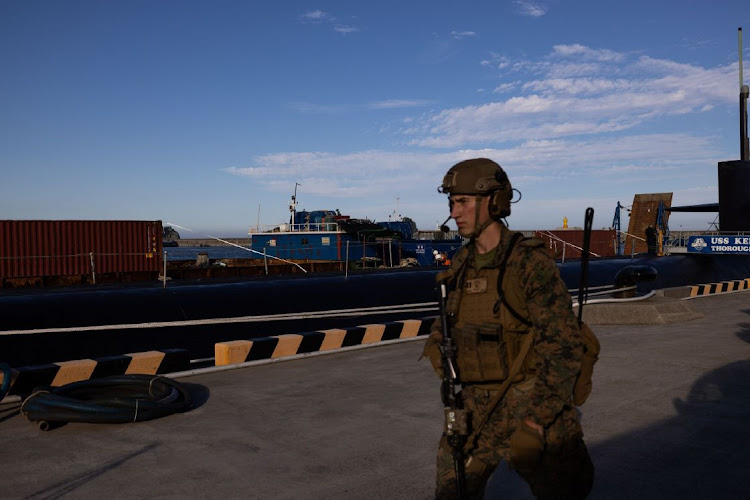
pixel 293 207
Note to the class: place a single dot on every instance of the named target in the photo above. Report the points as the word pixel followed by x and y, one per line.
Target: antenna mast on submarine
pixel 744 142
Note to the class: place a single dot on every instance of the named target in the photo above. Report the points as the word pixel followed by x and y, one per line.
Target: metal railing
pixel 556 239
pixel 40 266
pixel 317 227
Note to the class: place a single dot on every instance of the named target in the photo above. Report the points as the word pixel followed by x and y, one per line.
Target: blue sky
pixel 206 113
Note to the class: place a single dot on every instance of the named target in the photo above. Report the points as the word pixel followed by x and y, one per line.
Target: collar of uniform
pixel 505 237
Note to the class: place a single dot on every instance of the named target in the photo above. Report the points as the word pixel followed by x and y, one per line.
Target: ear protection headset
pixel 499 206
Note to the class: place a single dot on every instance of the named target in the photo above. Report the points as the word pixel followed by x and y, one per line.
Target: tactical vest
pixel 489 319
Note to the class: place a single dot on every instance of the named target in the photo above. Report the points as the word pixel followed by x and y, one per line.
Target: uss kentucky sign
pixel 719 244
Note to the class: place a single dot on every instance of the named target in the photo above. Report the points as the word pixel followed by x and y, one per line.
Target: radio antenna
pixel 739 41
pixel 744 141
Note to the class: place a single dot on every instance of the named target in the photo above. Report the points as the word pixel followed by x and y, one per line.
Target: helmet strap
pixel 478 228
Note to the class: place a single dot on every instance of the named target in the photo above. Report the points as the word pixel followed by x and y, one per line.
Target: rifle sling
pixel 501 276
pixel 514 369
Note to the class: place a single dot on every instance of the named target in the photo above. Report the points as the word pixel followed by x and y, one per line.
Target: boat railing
pixel 311 227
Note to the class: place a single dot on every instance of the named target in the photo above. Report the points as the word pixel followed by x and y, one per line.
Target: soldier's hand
pixel 433 353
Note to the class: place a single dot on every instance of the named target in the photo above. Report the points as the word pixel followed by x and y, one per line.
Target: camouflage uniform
pixel 541 392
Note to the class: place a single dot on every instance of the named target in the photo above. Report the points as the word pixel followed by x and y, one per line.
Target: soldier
pixel 534 426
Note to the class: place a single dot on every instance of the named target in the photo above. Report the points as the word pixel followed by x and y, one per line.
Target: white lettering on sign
pixel 732 248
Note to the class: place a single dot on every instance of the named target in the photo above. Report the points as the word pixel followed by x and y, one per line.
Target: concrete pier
pixel 667 419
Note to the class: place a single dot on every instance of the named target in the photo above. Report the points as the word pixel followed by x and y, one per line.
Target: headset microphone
pixel 443 227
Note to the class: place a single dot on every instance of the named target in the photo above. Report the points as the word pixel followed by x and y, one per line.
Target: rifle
pixel 456 426
pixel 582 286
pixel 591 347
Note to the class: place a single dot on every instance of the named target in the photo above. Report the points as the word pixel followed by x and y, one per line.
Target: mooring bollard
pixel 93 269
pixel 202 260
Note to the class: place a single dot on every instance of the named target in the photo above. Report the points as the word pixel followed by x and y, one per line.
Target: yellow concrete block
pixel 694 291
pixel 73 371
pixel 146 363
pixel 333 339
pixel 287 346
pixel 729 286
pixel 411 328
pixel 232 352
pixel 373 333
pixel 13 377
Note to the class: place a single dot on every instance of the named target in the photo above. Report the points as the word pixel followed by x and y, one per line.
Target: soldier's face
pixel 464 211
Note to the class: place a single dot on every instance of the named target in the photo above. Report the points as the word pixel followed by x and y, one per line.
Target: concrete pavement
pixel 667 418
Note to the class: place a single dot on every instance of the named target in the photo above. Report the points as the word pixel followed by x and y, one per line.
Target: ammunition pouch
pixel 482 354
pixel 514 341
pixel 584 383
pixel 475 467
pixel 526 447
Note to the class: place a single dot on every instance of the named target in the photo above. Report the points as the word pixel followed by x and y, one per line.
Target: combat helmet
pixel 480 177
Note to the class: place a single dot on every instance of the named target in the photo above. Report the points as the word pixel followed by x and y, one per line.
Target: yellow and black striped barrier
pixel 241 351
pixel 723 287
pixel 26 378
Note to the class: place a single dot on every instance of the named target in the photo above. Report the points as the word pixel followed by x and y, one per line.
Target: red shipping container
pixel 39 248
pixel 602 242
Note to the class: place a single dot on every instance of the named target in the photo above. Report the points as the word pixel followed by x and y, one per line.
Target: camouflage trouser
pixel 565 471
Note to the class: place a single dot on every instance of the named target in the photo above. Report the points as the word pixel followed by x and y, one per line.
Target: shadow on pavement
pixel 700 453
pixel 62 488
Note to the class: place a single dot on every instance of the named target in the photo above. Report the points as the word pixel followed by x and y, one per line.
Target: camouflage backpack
pixel 591 346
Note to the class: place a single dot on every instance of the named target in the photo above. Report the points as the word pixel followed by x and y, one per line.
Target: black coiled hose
pixel 117 399
pixel 7 375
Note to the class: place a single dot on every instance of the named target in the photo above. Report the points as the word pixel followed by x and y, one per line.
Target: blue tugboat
pixel 328 235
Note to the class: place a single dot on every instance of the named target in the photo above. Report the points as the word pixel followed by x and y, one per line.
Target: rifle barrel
pixel 582 288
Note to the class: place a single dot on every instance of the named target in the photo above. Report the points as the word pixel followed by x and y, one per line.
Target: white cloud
pixel 458 35
pixel 531 8
pixel 572 125
pixel 340 28
pixel 537 167
pixel 505 87
pixel 321 17
pixel 497 61
pixel 316 16
pixel 399 103
pixel 586 53
pixel 315 109
pixel 577 90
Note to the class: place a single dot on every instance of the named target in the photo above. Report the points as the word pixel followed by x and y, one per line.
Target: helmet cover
pixel 480 177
